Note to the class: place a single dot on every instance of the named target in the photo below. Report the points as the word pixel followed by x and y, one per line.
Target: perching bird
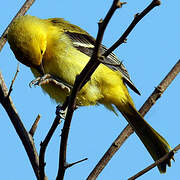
pixel 56 47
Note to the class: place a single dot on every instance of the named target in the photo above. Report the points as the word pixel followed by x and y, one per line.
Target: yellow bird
pixel 56 47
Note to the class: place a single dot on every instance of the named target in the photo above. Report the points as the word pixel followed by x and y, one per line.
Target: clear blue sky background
pixel 150 52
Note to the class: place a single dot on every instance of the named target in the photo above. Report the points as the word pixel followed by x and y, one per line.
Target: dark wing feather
pixel 85 43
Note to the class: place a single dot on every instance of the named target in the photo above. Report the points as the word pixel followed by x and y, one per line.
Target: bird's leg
pixel 48 78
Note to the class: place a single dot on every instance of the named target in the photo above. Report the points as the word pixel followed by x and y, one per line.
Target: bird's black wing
pixel 85 43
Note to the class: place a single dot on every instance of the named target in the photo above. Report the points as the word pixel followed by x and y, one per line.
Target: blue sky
pixel 150 52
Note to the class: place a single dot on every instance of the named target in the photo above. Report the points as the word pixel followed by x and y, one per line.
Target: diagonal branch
pixel 128 130
pixel 136 20
pixel 160 88
pixel 12 82
pixel 165 157
pixel 21 12
pixel 26 139
pixel 121 40
pixel 8 105
pixel 77 162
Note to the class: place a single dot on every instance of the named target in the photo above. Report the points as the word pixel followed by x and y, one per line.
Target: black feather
pixel 85 43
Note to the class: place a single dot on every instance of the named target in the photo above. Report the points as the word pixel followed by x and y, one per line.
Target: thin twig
pixel 128 129
pixel 12 82
pixel 136 20
pixel 34 126
pixel 21 12
pixel 165 157
pixel 79 82
pixel 19 127
pixel 77 162
pixel 44 146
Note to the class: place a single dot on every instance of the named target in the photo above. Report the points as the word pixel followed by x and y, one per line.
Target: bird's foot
pixel 48 78
pixel 61 112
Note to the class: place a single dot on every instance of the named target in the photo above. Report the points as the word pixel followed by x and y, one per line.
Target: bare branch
pixel 128 129
pixel 21 12
pixel 44 144
pixel 34 126
pixel 160 88
pixel 27 141
pixel 165 157
pixel 8 105
pixel 136 20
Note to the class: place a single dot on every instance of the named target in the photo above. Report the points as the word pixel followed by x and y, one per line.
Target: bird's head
pixel 27 39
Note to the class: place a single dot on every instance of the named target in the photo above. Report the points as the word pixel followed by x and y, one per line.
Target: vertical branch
pixel 79 82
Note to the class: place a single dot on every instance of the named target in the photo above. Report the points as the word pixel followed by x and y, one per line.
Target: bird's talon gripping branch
pixel 61 112
pixel 48 78
pixel 41 80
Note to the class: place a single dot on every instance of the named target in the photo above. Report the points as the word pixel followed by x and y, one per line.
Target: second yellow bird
pixel 56 47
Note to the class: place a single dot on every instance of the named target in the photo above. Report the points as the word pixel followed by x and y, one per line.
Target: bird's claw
pixel 41 80
pixel 34 82
pixel 61 112
pixel 48 78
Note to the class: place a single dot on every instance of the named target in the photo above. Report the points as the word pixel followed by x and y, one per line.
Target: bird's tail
pixel 153 141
